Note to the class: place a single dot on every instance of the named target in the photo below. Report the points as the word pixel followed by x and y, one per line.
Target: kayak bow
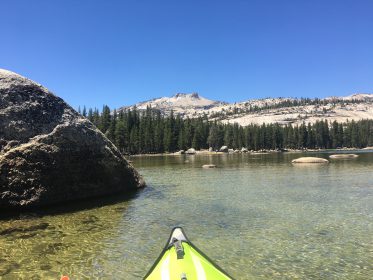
pixel 181 260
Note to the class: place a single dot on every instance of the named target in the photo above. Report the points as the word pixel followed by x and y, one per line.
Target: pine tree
pixel 303 136
pixel 311 140
pixel 96 119
pixel 215 138
pixel 110 133
pixel 188 131
pixel 90 115
pixel 198 136
pixel 104 124
pixel 84 112
pixel 355 139
pixel 228 135
pixel 120 136
pixel 167 136
pixel 278 141
pixel 134 141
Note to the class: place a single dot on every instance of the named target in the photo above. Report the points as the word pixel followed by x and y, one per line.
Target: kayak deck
pixel 181 260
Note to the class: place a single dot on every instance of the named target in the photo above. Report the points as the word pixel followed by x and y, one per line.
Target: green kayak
pixel 181 260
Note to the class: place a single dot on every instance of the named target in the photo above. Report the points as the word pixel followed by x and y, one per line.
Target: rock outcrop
pixel 49 153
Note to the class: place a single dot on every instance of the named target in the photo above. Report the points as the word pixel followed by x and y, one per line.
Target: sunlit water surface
pixel 257 216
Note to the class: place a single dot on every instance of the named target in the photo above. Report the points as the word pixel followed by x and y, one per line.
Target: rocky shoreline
pixel 208 152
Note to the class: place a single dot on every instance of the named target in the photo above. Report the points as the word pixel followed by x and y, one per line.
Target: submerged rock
pixel 342 156
pixel 49 153
pixel 8 231
pixel 310 160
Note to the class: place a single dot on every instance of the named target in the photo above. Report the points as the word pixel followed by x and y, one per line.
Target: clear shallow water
pixel 257 216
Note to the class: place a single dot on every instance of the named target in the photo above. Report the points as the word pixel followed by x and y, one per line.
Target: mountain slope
pixel 181 103
pixel 267 110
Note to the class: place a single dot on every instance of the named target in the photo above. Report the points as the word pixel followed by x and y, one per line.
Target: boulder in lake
pixel 343 156
pixel 209 166
pixel 51 154
pixel 244 150
pixel 310 160
pixel 191 151
pixel 224 149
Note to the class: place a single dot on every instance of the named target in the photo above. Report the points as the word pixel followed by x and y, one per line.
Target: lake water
pixel 257 216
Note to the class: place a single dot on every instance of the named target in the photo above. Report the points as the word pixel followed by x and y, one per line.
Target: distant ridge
pixel 355 96
pixel 280 110
pixel 360 96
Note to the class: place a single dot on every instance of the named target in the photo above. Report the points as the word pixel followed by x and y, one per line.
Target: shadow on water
pixel 68 207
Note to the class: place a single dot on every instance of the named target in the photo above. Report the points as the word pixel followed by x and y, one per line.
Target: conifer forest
pixel 149 131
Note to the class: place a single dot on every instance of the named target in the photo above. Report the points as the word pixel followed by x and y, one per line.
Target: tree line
pixel 149 131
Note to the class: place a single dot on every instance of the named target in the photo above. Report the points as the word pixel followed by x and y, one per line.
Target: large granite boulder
pixel 49 153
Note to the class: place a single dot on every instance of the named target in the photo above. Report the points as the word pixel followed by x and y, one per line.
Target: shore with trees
pixel 148 132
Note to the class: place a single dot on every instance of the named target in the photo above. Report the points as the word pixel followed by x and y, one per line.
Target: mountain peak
pixel 191 95
pixel 183 103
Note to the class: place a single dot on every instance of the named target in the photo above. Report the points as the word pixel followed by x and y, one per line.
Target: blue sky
pixel 122 52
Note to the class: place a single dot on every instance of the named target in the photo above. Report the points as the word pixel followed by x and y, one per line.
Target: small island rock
pixel 50 154
pixel 310 160
pixel 343 156
pixel 209 166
